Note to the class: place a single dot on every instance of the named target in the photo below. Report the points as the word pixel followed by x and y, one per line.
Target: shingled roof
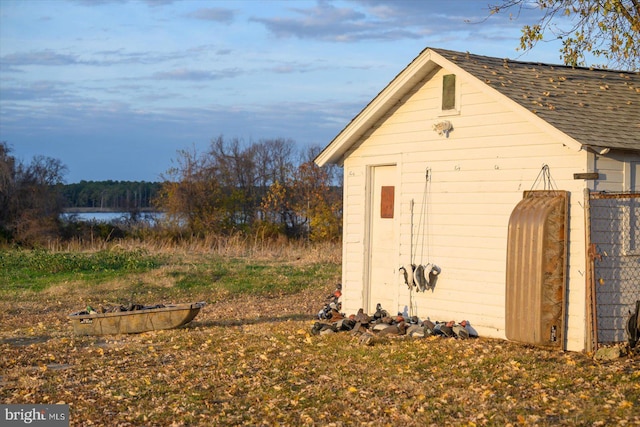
pixel 598 108
pixel 590 108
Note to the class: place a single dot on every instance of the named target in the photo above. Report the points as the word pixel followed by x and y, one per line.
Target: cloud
pixel 384 20
pixel 150 3
pixel 39 57
pixel 155 3
pixel 40 90
pixel 97 2
pixel 157 80
pixel 287 67
pixel 196 75
pixel 413 12
pixel 49 57
pixel 213 14
pixel 85 135
pixel 330 23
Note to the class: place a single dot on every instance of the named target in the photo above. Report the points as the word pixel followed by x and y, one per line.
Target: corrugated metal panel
pixel 536 269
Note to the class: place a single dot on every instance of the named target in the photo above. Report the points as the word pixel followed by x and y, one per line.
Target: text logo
pixel 35 415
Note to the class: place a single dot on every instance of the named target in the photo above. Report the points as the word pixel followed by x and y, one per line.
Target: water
pixel 107 217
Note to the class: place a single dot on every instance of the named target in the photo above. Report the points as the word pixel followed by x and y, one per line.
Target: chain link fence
pixel 615 250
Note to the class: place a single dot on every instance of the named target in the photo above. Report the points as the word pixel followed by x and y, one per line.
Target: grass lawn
pixel 249 357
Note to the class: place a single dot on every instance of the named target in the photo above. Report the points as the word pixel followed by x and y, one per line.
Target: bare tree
pixel 274 164
pixel 306 204
pixel 235 170
pixel 31 202
pixel 190 193
pixel 252 188
pixel 274 160
pixel 7 176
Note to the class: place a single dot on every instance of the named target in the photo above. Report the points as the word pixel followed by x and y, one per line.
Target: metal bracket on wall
pixel 593 252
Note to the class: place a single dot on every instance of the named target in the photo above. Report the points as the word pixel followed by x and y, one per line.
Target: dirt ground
pixel 252 361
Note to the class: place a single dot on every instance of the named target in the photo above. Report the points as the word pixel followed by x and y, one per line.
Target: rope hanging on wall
pixel 544 177
pixel 418 276
pixel 409 270
pixel 428 275
pixel 423 231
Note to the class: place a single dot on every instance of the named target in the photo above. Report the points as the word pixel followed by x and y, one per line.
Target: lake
pixel 109 216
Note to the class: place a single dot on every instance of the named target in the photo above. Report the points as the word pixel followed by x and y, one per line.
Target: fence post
pixel 591 336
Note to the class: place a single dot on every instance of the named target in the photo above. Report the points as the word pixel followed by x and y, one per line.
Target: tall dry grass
pixel 237 246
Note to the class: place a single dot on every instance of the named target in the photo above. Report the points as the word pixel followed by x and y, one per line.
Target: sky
pixel 115 88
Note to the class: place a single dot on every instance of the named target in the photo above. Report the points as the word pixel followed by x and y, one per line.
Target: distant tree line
pixel 264 189
pixel 112 195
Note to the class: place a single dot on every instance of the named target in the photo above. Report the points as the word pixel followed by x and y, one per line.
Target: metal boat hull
pixel 136 321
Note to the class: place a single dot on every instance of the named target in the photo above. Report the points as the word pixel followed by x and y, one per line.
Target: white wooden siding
pixel 612 170
pixel 477 176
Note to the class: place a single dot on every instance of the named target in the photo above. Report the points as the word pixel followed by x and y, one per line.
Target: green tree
pixel 128 196
pixel 605 28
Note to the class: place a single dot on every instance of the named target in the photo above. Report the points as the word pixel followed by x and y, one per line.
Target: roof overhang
pixel 420 68
pixel 416 71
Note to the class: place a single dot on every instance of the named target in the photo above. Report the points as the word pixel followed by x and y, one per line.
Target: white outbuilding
pixel 509 190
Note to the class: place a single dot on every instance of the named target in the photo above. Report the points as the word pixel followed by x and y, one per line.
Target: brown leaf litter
pixel 252 360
